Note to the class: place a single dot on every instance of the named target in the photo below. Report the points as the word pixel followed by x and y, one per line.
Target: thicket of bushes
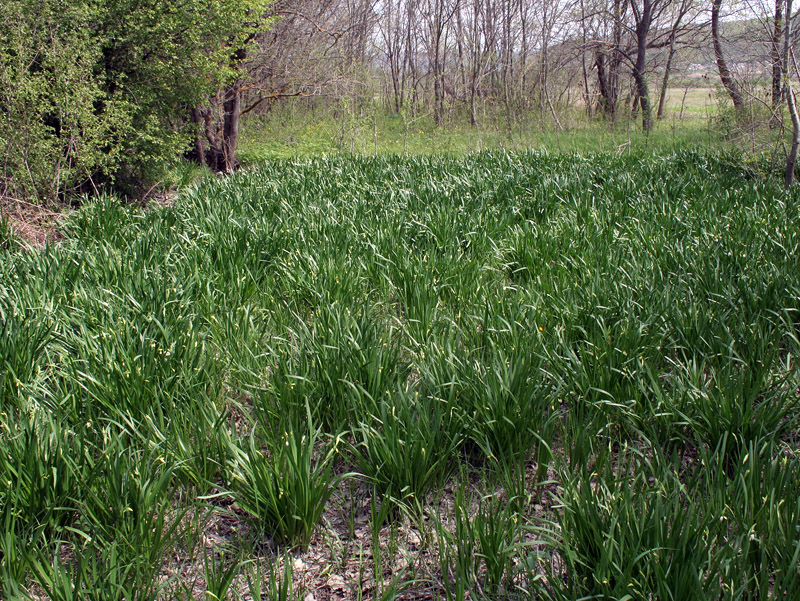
pixel 95 93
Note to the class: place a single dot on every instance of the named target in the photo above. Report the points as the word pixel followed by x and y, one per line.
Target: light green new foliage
pixel 7 238
pixel 58 125
pixel 310 127
pixel 95 92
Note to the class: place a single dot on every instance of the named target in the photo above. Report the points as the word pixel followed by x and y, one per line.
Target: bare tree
pixel 722 66
pixel 683 9
pixel 525 58
pixel 775 55
pixel 437 15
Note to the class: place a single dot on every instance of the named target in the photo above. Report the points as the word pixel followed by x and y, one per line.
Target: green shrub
pixel 97 93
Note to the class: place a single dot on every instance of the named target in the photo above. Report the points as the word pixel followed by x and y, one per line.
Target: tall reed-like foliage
pixel 612 341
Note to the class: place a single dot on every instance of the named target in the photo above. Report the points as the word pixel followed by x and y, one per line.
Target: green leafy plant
pixel 84 103
pixel 90 577
pixel 280 583
pixel 629 526
pixel 127 515
pixel 219 575
pixel 758 505
pixel 42 470
pixel 285 487
pixel 478 557
pixel 407 448
pixel 610 340
pixel 7 238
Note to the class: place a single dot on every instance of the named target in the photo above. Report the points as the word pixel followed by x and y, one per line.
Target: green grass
pixel 289 131
pixel 570 375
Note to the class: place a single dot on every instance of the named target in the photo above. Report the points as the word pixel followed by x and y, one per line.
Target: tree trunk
pixel 667 69
pixel 608 65
pixel 393 42
pixel 587 96
pixel 665 82
pixel 639 75
pixel 791 160
pixel 199 146
pixel 608 91
pixel 787 37
pixel 523 57
pixel 220 155
pixel 230 128
pixel 438 84
pixel 213 156
pixel 722 65
pixel 775 56
pixel 222 141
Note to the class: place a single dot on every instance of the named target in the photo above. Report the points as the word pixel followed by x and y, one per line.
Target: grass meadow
pixel 309 129
pixel 496 376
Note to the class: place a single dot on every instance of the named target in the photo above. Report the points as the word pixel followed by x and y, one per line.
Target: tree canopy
pixel 95 92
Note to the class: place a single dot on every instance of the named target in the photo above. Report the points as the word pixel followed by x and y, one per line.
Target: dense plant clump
pixel 576 375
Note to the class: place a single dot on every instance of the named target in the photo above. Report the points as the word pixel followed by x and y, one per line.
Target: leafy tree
pixel 95 92
pixel 58 126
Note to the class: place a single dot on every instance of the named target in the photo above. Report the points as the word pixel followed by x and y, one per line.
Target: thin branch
pixel 275 96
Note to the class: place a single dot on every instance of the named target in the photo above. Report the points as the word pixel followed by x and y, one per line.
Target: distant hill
pixel 745 45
